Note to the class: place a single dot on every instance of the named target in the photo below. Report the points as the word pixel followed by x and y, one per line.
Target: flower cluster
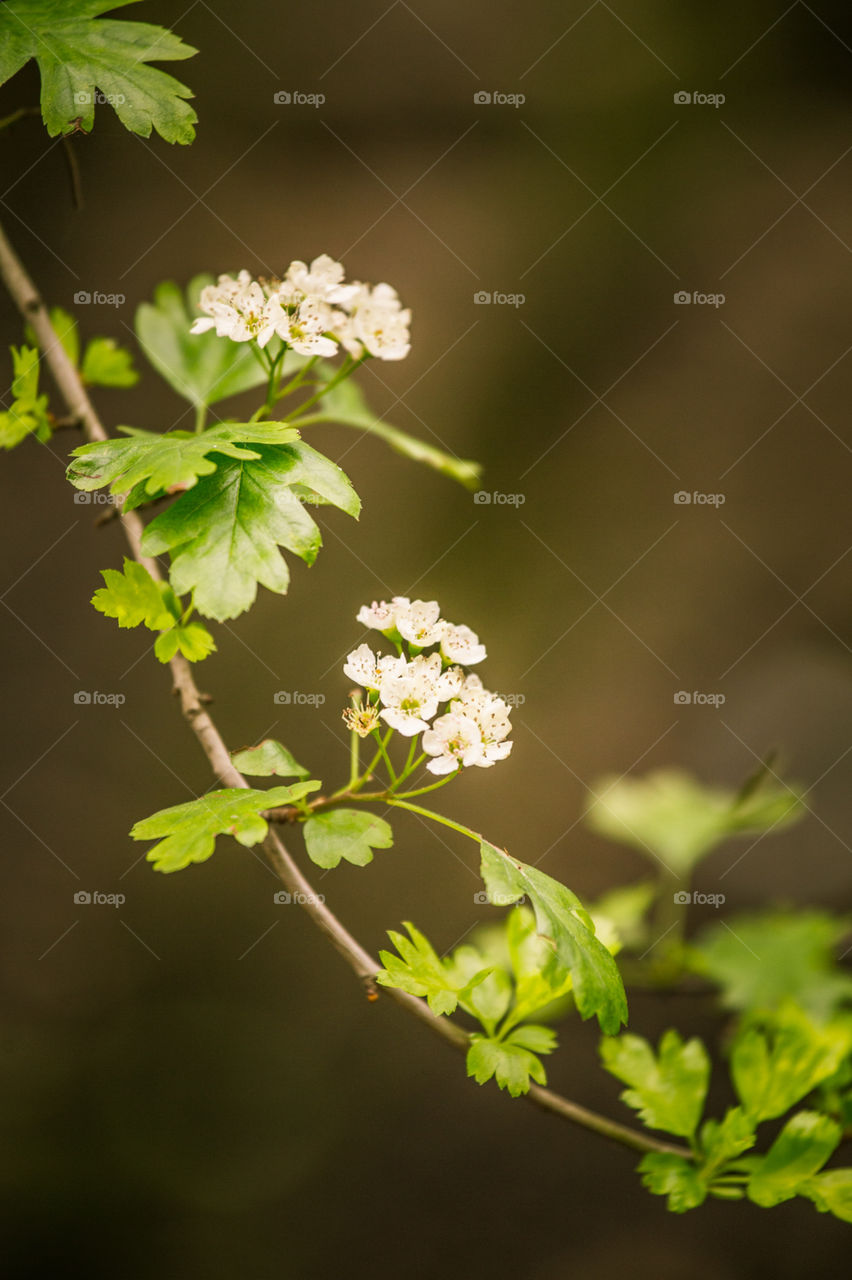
pixel 407 689
pixel 310 309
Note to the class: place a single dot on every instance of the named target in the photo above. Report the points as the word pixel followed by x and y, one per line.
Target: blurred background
pixel 192 1083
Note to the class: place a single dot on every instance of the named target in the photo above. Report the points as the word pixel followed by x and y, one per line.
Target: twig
pixel 365 966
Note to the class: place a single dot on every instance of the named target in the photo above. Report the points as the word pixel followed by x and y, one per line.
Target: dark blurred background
pixel 192 1084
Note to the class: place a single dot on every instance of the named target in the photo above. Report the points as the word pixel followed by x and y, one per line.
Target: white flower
pixel 304 328
pixel 367 669
pixel 419 622
pixel 453 740
pixel 376 324
pixel 322 280
pixel 460 644
pixel 409 697
pixel 381 616
pixel 238 309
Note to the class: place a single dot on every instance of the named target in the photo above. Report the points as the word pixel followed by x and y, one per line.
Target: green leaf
pixel 169 460
pixel 761 961
pixel 672 816
pixel 133 597
pixel 350 834
pixel 672 1176
pixel 345 404
pixel 800 1150
pixel 192 639
pixel 567 927
pixel 66 331
pixel 775 1068
pixel 106 364
pixel 508 1061
pixel 668 1090
pixel 27 414
pixel 831 1193
pixel 187 832
pixel 77 55
pixel 201 367
pixel 268 758
pixel 225 532
pixel 724 1140
pixel 419 970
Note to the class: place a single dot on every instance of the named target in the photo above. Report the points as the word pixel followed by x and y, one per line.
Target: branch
pixel 365 966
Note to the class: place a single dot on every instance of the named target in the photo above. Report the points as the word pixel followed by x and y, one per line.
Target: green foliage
pixel 624 912
pixel 224 533
pixel 831 1193
pixel 348 834
pixel 511 1062
pixel 667 1089
pixel 27 414
pixel 157 463
pixel 106 364
pixel 669 1175
pixel 670 815
pixel 133 597
pixel 723 1140
pixel 78 54
pixel 774 1067
pixel 187 832
pixel 562 920
pixel 800 1150
pixel 762 961
pixel 420 971
pixel 201 367
pixel 268 758
pixel 345 404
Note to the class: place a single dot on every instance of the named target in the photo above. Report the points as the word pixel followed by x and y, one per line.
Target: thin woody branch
pixel 365 966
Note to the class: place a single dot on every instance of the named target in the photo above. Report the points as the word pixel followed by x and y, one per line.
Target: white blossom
pixel 238 309
pixel 381 615
pixel 460 644
pixel 367 669
pixel 453 740
pixel 420 622
pixel 409 698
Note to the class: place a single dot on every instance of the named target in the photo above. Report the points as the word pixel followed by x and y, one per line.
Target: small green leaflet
pixel 187 832
pixel 345 404
pixel 348 834
pixel 724 1140
pixel 831 1193
pixel 562 920
pixel 28 412
pixel 761 961
pixel 199 366
pixel 267 759
pixel 512 1062
pixel 678 820
pixel 667 1089
pixel 170 460
pixel 78 54
pixel 773 1069
pixel 133 597
pixel 224 534
pixel 800 1150
pixel 672 1176
pixel 105 363
pixel 419 970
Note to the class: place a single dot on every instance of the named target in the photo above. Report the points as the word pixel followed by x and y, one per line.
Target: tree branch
pixel 365 966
